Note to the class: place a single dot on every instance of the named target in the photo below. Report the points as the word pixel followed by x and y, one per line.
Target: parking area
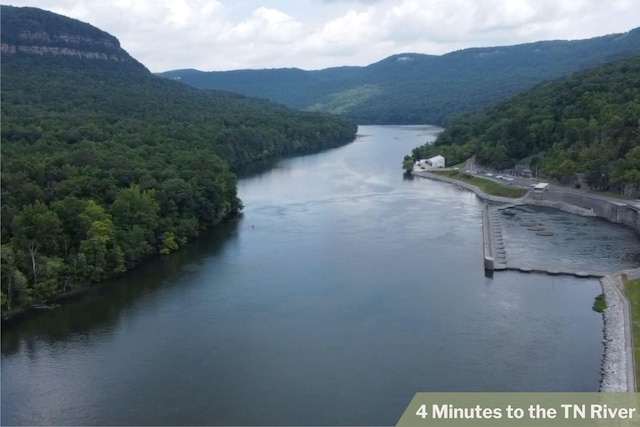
pixel 517 181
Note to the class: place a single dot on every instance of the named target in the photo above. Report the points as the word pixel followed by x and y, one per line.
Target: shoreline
pixel 15 315
pixel 618 362
pixel 470 187
pixel 617 368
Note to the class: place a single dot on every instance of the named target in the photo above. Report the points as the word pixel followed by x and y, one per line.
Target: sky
pixel 218 35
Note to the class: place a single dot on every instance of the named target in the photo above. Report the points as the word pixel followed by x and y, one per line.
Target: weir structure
pixel 495 256
pixel 618 365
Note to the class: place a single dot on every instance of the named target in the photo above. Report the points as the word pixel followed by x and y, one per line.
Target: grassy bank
pixel 632 289
pixel 486 185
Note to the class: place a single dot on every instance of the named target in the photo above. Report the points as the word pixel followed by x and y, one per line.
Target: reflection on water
pixel 102 309
pixel 342 291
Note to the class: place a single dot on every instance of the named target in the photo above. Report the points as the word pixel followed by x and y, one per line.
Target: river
pixel 343 291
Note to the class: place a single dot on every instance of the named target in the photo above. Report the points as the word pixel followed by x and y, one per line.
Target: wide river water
pixel 343 291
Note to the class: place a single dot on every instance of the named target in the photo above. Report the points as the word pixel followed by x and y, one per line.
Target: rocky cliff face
pixel 49 50
pixel 37 32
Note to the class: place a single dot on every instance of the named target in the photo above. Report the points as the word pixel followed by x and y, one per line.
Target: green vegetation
pixel 632 290
pixel 408 164
pixel 105 164
pixel 414 88
pixel 586 123
pixel 600 304
pixel 486 185
pixel 342 102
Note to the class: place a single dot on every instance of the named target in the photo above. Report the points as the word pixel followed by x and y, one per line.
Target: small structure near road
pixel 433 162
pixel 539 188
pixel 436 161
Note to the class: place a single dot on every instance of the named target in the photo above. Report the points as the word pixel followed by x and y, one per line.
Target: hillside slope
pixel 585 123
pixel 416 88
pixel 105 164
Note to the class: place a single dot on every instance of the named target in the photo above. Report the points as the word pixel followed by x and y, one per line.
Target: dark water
pixel 344 290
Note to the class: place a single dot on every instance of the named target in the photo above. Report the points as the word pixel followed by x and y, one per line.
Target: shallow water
pixel 577 242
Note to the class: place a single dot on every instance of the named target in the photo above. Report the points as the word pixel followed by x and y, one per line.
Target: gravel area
pixel 618 370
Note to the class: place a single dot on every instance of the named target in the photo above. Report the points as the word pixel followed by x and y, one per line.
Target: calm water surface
pixel 344 290
pixel 577 242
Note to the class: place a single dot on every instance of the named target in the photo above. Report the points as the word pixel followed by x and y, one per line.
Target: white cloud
pixel 265 26
pixel 311 34
pixel 344 35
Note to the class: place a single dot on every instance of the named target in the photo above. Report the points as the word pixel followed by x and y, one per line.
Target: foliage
pixel 105 164
pixel 415 88
pixel 486 185
pixel 599 304
pixel 586 123
pixel 408 163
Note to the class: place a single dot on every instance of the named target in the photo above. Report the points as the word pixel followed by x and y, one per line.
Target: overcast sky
pixel 313 34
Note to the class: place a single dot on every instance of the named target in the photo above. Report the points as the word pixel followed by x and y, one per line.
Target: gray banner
pixel 522 409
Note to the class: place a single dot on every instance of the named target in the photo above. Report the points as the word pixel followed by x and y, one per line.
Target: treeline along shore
pixel 106 165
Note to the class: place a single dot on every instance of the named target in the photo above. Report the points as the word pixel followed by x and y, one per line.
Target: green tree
pixel 15 287
pixel 408 163
pixel 101 254
pixel 36 228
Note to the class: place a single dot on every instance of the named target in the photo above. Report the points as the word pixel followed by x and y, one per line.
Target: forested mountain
pixel 105 164
pixel 414 88
pixel 586 123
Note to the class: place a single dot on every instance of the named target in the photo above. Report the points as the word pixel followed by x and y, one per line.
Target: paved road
pixel 518 181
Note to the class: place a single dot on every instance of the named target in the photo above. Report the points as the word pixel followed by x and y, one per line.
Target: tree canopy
pixel 105 164
pixel 586 123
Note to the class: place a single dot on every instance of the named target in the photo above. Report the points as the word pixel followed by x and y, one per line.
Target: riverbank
pixel 618 372
pixel 618 363
pixel 626 213
pixel 81 290
pixel 16 314
pixel 470 187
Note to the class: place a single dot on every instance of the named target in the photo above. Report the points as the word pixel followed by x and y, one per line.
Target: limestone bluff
pixel 61 37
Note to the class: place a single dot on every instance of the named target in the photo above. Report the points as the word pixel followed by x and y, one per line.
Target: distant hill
pixel 416 88
pixel 586 123
pixel 105 164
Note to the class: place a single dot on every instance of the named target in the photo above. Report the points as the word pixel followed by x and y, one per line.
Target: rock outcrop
pixel 34 31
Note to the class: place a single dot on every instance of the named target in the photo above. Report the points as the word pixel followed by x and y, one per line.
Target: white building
pixel 436 161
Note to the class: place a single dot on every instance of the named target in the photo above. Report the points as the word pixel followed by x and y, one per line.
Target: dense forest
pixel 587 123
pixel 414 88
pixel 105 164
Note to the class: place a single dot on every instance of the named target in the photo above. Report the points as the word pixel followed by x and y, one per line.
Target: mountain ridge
pixel 105 165
pixel 580 127
pixel 29 30
pixel 421 88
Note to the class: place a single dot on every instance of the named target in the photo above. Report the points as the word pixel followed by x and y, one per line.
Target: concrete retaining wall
pixel 571 201
pixel 486 238
pixel 618 212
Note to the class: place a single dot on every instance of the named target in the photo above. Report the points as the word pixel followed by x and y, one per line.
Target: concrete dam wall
pixel 621 212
